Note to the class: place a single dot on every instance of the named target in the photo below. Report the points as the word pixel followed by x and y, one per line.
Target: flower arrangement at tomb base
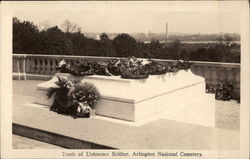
pixel 73 97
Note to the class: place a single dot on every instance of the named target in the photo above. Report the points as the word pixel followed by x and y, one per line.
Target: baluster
pixel 221 74
pixel 236 84
pixel 27 65
pixel 53 67
pixel 196 70
pixel 214 77
pixel 237 78
pixel 48 66
pixel 202 70
pixel 229 76
pixel 208 75
pixel 43 68
pixel 15 64
pixel 23 70
pixel 38 66
pixel 32 65
pixel 18 65
pixel 21 64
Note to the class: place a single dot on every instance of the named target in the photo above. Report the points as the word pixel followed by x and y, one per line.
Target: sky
pixel 138 18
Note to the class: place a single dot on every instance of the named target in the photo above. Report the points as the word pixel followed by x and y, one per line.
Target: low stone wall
pixel 29 66
pixel 215 72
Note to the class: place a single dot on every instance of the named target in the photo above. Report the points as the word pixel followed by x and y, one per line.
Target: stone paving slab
pixel 158 134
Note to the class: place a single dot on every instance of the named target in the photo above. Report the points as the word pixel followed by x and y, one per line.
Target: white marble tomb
pixel 175 96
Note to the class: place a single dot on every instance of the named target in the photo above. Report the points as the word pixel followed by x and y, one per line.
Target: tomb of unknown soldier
pixel 178 97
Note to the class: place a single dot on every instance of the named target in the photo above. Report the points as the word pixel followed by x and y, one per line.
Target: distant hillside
pixel 183 37
pixel 171 37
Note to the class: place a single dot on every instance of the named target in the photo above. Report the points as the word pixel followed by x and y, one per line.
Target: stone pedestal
pixel 176 96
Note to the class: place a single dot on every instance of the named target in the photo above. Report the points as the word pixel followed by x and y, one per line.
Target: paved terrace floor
pixel 192 136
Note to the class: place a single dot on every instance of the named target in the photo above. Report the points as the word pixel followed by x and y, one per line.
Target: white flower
pixel 83 106
pixel 145 62
pixel 62 63
pixel 79 109
pixel 117 63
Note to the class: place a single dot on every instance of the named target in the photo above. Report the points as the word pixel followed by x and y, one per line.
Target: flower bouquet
pixel 73 97
pixel 132 68
pixel 114 66
pixel 83 68
pixel 83 97
pixel 157 68
pixel 63 67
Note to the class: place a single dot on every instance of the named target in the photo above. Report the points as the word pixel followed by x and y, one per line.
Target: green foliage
pixel 222 90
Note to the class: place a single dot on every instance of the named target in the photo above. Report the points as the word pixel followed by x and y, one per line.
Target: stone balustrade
pixel 45 64
pixel 213 72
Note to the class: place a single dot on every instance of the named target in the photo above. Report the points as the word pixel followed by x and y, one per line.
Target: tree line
pixel 28 39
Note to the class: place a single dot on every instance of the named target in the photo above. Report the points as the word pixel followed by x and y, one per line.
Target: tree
pixel 25 36
pixel 69 27
pixel 215 56
pixel 104 37
pixel 54 41
pixel 125 45
pixel 106 47
pixel 175 48
pixel 226 43
pixel 184 55
pixel 225 46
pixel 143 50
pixel 155 49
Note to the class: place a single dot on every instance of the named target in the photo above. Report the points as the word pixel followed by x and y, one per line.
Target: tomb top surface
pixel 133 90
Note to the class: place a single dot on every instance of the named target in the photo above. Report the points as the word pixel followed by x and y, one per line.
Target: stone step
pixel 44 125
pixel 20 142
pixel 53 138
